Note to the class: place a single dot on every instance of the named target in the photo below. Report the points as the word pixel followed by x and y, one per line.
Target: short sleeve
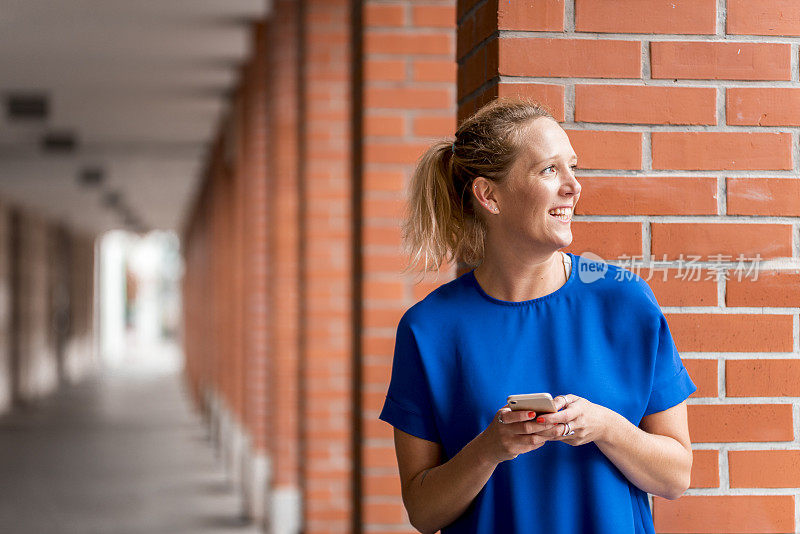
pixel 408 404
pixel 671 382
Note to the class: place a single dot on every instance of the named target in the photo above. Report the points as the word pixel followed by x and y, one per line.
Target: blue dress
pixel 602 336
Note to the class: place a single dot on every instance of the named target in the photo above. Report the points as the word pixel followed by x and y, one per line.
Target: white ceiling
pixel 142 83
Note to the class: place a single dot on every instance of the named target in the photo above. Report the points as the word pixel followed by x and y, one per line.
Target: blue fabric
pixel 459 353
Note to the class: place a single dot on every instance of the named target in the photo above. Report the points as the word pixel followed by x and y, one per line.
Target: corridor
pixel 120 453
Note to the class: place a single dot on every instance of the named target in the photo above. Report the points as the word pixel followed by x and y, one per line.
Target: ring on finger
pixel 500 418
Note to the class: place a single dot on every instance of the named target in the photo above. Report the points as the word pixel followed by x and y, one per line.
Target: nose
pixel 572 183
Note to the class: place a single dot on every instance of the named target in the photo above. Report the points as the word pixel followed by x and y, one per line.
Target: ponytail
pixel 429 227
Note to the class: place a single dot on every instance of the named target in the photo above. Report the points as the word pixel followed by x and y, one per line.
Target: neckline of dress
pixel 564 287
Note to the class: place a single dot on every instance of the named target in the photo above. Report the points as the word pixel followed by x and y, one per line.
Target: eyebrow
pixel 551 158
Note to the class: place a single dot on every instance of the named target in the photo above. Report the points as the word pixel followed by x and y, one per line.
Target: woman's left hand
pixel 589 421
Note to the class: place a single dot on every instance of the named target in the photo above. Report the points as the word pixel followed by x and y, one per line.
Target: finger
pixel 530 427
pixel 516 416
pixel 560 401
pixel 549 431
pixel 563 416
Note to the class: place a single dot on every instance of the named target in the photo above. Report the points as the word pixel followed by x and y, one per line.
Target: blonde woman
pixel 527 320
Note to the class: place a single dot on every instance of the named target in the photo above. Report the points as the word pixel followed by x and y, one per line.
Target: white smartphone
pixel 536 402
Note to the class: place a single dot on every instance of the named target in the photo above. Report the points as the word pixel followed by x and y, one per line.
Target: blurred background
pixel 200 250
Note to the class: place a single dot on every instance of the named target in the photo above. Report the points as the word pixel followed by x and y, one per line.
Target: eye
pixel 549 169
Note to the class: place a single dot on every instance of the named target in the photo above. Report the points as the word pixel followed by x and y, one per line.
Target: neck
pixel 513 280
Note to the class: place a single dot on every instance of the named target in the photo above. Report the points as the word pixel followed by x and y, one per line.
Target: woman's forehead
pixel 544 139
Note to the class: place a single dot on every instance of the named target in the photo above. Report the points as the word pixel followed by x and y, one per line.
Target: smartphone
pixel 536 402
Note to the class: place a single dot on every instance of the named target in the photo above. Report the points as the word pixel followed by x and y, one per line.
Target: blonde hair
pixel 441 223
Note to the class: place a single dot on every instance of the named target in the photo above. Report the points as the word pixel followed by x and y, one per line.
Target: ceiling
pixel 139 84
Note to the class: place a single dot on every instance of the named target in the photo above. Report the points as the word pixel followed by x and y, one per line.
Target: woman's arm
pixel 436 495
pixel 656 456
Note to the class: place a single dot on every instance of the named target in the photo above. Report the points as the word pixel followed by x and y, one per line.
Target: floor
pixel 120 453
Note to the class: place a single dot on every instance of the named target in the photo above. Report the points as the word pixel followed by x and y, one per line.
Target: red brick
pixel 763 17
pixel 762 378
pixel 541 15
pixel 704 375
pixel 550 95
pixel 375 345
pixel 742 514
pixel 722 150
pixel 763 106
pixel 383 208
pixel 404 44
pixel 384 126
pixel 384 513
pixel 727 332
pixel 651 16
pixel 763 196
pixel 380 457
pixel 381 485
pixel 764 469
pixel 463 6
pixel 720 60
pixel 608 240
pixel 406 98
pixel 434 16
pixel 588 58
pixel 434 71
pixel 705 469
pixel 380 235
pixel 385 70
pixel 392 15
pixel 393 152
pixel 642 195
pixel 477 69
pixel 733 239
pixel 388 181
pixel 384 290
pixel 477 28
pixel 769 288
pixel 673 289
pixel 433 126
pixel 377 373
pixel 636 104
pixel 731 423
pixel 607 150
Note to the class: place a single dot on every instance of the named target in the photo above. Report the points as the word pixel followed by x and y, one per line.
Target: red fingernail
pixel 531 414
pixel 540 419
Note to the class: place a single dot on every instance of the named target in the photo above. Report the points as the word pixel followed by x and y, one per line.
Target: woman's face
pixel 541 180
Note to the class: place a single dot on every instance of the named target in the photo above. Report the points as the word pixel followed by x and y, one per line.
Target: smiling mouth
pixel 562 214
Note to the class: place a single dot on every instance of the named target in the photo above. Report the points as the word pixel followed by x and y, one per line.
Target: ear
pixel 484 190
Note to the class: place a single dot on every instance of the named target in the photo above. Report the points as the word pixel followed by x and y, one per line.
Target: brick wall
pixel 684 118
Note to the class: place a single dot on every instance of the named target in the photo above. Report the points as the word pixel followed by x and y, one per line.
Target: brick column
pixel 326 340
pixel 256 284
pixel 408 100
pixel 284 231
pixel 684 118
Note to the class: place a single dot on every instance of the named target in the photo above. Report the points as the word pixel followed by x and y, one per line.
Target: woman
pixel 525 321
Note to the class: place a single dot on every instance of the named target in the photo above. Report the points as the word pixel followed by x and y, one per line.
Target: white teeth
pixel 564 214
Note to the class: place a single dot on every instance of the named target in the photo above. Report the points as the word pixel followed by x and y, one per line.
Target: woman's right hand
pixel 515 435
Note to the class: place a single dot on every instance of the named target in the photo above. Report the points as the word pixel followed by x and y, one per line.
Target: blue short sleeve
pixel 671 382
pixel 408 404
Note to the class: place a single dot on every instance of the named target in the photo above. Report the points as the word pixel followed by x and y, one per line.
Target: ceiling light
pixel 27 106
